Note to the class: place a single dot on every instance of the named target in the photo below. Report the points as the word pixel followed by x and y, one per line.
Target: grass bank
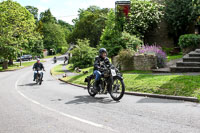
pixel 177 85
pixel 57 70
pixel 17 66
pixel 174 57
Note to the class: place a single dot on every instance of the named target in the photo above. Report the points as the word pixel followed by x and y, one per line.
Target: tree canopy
pixel 180 14
pixel 17 29
pixel 89 24
pixel 33 10
pixel 144 16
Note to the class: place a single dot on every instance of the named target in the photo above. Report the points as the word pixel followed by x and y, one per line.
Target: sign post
pixel 20 57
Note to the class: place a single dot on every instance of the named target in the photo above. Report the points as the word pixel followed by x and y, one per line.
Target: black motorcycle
pixel 55 60
pixel 38 77
pixel 111 82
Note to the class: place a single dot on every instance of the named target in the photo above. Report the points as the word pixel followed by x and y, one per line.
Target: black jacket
pixel 38 66
pixel 101 63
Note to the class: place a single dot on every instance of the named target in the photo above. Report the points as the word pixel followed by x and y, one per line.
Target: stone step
pixel 184 69
pixel 197 50
pixel 188 64
pixel 194 54
pixel 186 58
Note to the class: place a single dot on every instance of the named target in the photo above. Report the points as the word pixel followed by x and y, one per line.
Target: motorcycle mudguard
pixel 118 76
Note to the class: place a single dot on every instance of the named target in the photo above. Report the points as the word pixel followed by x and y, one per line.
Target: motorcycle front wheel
pixel 118 89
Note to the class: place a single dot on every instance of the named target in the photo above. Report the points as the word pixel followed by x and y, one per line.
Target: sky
pixel 66 10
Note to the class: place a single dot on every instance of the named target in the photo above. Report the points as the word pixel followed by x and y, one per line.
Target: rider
pixel 55 59
pixel 101 63
pixel 38 66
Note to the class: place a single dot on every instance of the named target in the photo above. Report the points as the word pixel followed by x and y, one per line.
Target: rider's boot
pixel 96 86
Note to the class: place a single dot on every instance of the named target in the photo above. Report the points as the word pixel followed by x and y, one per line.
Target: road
pixel 56 107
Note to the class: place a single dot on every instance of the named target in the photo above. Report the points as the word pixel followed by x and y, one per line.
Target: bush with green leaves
pixel 179 15
pixel 131 41
pixel 189 40
pixel 144 16
pixel 83 55
pixel 125 57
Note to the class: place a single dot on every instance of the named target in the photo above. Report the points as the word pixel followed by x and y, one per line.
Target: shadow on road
pixel 29 84
pixel 89 99
pixel 157 100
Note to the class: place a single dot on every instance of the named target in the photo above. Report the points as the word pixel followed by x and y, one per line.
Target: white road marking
pixel 61 113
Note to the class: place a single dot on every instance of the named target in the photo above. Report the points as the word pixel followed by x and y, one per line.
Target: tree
pixel 54 36
pixel 111 37
pixel 17 26
pixel 65 25
pixel 144 16
pixel 33 10
pixel 180 14
pixel 90 25
pixel 83 54
pixel 47 17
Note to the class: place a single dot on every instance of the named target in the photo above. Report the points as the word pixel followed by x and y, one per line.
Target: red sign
pixel 123 6
pixel 125 9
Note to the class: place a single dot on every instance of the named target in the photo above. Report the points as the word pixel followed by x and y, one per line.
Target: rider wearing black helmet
pixel 101 62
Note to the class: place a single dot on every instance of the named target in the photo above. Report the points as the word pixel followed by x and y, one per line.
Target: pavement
pixel 57 107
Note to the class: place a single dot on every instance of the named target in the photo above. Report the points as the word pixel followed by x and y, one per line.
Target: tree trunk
pixel 10 61
pixel 5 65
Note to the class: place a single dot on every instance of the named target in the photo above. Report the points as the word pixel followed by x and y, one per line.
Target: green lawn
pixel 177 85
pixel 173 57
pixel 57 70
pixel 17 65
pixel 136 72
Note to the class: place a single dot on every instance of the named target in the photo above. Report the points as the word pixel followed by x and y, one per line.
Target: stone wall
pixel 123 67
pixel 139 62
pixel 145 62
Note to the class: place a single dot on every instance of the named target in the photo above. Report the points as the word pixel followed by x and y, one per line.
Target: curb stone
pixel 182 98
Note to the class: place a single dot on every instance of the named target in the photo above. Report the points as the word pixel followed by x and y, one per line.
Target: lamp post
pixel 20 57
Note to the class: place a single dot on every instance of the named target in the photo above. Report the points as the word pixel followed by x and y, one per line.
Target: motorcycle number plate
pixel 113 72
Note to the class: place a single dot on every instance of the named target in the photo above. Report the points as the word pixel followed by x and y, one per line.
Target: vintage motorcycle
pixel 38 77
pixel 111 82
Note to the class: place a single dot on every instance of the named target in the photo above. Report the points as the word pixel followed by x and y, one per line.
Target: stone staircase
pixel 190 63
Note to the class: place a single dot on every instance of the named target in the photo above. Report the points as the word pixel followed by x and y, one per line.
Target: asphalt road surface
pixel 56 107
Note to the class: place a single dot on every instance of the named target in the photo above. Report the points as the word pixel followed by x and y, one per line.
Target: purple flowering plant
pixel 154 50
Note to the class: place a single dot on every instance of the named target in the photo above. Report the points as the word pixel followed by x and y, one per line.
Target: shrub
pixel 83 55
pixel 125 57
pixel 131 41
pixel 64 50
pixel 189 40
pixel 154 50
pixel 143 16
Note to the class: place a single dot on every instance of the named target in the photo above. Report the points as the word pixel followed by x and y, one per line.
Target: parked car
pixel 1 61
pixel 25 58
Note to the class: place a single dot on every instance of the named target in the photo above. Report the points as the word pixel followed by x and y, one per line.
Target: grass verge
pixel 57 70
pixel 174 57
pixel 17 66
pixel 177 85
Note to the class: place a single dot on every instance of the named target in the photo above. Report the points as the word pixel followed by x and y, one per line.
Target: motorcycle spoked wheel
pixel 118 89
pixel 90 87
